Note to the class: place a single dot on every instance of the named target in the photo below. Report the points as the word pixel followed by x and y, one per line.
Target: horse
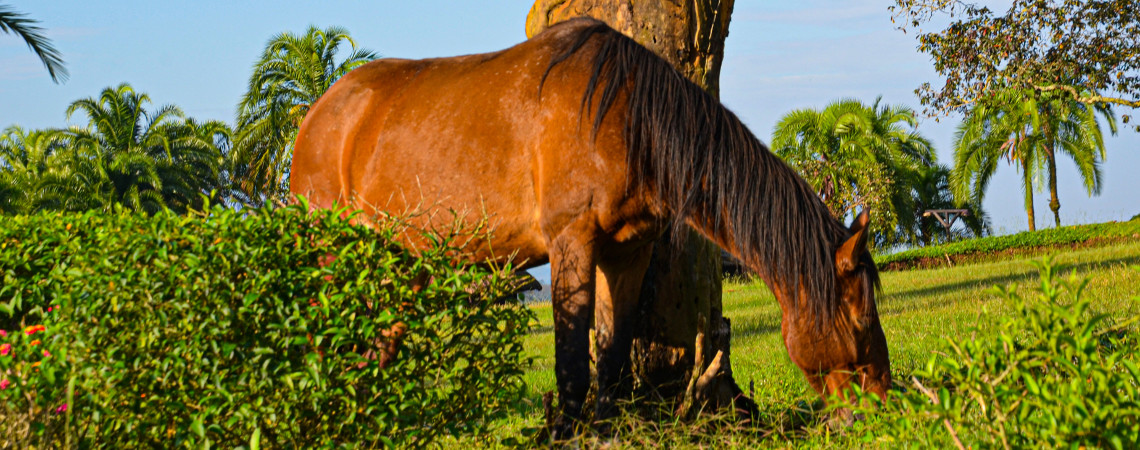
pixel 580 147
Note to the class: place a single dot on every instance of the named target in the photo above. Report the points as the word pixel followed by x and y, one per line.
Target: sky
pixel 779 56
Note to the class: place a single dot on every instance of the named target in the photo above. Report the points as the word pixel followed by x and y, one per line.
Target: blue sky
pixel 779 56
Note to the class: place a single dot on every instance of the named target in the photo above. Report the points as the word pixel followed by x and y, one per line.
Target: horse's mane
pixel 701 162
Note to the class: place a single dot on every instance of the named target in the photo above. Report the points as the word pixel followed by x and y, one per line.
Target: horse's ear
pixel 847 257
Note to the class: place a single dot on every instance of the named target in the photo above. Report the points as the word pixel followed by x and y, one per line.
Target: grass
pixel 919 309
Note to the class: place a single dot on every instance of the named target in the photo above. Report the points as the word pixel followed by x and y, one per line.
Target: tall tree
pixel 1071 129
pixel 144 160
pixel 20 25
pixel 989 134
pixel 681 346
pixel 857 155
pixel 292 73
pixel 1031 132
pixel 1076 48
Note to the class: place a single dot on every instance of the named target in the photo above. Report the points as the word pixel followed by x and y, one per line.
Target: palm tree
pixel 145 160
pixel 18 24
pixel 75 182
pixel 26 157
pixel 293 72
pixel 193 153
pixel 991 132
pixel 931 190
pixel 1071 128
pixel 858 155
pixel 1030 132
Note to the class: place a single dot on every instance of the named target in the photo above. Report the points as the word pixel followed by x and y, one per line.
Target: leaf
pixel 255 439
pixel 197 428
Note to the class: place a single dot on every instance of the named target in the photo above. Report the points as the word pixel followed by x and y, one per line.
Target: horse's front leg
pixel 619 288
pixel 572 262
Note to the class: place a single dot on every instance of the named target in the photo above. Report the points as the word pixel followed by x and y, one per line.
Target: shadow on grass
pixel 762 325
pixel 643 424
pixel 542 329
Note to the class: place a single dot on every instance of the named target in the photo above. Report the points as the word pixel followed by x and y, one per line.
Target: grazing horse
pixel 580 146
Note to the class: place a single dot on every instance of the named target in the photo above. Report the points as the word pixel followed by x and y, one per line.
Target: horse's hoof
pixel 564 431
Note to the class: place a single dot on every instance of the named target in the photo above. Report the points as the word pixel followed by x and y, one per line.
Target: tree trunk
pixel 681 340
pixel 1025 170
pixel 1054 202
pixel 1051 163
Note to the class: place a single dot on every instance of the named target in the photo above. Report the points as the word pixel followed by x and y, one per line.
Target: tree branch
pixel 1088 99
pixel 945 421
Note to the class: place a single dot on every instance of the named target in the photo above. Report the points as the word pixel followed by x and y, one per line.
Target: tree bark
pixel 1054 202
pixel 1025 171
pixel 679 332
pixel 1051 164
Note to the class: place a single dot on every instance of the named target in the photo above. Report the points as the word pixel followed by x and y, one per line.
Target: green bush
pixel 1027 239
pixel 1056 375
pixel 237 328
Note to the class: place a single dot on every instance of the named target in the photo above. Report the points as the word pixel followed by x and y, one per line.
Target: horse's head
pixel 850 348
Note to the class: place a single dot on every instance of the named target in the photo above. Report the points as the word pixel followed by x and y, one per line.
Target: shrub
pixel 1027 239
pixel 1056 375
pixel 238 328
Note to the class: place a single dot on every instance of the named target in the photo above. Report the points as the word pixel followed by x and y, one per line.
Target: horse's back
pixel 460 133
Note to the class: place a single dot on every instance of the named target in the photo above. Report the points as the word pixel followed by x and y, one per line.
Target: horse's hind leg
pixel 572 260
pixel 619 287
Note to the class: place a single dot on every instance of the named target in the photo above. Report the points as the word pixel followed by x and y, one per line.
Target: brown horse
pixel 581 145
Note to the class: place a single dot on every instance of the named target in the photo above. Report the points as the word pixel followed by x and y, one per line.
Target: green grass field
pixel 919 309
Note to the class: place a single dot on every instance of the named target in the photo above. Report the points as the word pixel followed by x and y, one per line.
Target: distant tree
pixel 931 190
pixel 144 160
pixel 1030 132
pixel 76 182
pixel 26 158
pixel 20 25
pixel 857 155
pixel 9 196
pixel 1075 48
pixel 197 162
pixel 292 73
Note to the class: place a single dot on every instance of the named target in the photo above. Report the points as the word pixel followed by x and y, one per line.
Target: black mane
pixel 700 161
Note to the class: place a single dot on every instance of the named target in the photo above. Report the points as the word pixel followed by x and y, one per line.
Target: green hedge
pixel 1027 239
pixel 237 329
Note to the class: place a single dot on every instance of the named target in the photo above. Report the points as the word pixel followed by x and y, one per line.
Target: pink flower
pixel 46 354
pixel 4 349
pixel 61 409
pixel 4 384
pixel 3 333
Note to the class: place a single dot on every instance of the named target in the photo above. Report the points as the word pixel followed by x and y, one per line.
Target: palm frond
pixel 20 25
